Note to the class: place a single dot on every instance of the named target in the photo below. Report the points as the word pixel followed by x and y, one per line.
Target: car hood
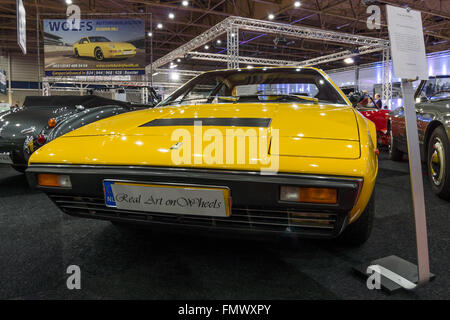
pixel 292 120
pixel 146 137
pixel 12 124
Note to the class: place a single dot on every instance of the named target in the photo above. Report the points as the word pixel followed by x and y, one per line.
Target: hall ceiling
pixel 347 16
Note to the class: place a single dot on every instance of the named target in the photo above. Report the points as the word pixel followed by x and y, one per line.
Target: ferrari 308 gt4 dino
pixel 267 151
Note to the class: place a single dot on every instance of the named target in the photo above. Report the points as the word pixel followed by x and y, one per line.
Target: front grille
pixel 279 220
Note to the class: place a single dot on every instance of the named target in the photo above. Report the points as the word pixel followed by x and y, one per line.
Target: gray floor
pixel 38 243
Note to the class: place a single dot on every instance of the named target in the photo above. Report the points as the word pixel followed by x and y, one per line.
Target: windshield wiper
pixel 296 96
pixel 281 97
pixel 181 101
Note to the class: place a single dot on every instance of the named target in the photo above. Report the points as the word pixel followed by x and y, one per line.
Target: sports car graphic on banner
pixel 98 47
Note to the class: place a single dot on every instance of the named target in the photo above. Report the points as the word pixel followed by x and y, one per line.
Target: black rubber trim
pixel 247 187
pixel 220 122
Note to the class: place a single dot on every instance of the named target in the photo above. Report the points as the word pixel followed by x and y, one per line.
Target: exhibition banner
pixel 3 81
pixel 98 47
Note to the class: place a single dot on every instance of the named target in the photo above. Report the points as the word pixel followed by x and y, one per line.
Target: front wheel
pixel 394 153
pixel 359 231
pixel 438 162
pixel 77 55
pixel 99 54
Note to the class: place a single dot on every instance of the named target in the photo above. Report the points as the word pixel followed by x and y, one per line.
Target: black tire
pixel 394 153
pixel 439 169
pixel 77 55
pixel 98 53
pixel 359 231
pixel 20 169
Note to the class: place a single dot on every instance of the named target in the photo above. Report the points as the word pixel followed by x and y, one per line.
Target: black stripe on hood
pixel 219 122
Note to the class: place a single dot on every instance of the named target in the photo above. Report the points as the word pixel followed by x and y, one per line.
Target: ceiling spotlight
pixel 271 16
pixel 206 47
pixel 68 1
pixel 349 60
pixel 218 41
pixel 178 60
pixel 174 76
pixel 150 34
pixel 297 4
pixel 171 16
pixel 159 25
pixel 249 67
pixel 185 3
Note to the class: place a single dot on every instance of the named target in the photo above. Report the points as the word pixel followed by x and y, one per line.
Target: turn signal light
pixel 308 195
pixel 52 122
pixel 54 180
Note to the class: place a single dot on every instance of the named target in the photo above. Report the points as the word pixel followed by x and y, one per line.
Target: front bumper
pixel 120 54
pixel 256 207
pixel 15 149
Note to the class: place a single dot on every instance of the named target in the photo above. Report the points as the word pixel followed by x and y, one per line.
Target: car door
pixel 84 47
pixel 398 128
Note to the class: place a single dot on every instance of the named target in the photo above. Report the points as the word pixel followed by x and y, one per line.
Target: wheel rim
pixel 99 54
pixel 437 162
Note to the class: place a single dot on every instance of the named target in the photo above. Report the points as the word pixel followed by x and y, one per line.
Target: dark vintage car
pixel 433 122
pixel 42 119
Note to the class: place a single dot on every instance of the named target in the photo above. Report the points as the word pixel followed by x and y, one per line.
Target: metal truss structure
pixel 386 93
pixel 303 32
pixel 275 62
pixel 233 46
pixel 237 60
pixel 232 25
pixel 202 39
pixel 190 73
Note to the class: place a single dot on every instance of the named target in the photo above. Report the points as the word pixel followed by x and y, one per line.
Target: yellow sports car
pixel 102 48
pixel 272 151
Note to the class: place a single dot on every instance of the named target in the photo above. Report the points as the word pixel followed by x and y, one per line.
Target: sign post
pixel 21 26
pixel 410 64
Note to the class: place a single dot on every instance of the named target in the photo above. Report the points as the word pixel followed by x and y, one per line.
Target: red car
pixel 371 111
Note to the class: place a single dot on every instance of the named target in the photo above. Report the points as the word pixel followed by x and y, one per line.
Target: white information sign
pixel 407 43
pixel 21 26
pixel 167 199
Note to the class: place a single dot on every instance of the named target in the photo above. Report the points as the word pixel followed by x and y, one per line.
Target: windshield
pixel 436 87
pixel 257 85
pixel 99 39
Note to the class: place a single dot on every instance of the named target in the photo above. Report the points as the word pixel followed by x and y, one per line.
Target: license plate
pixel 5 157
pixel 127 52
pixel 176 199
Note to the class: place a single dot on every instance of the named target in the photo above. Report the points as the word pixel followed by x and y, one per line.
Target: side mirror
pixel 421 99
